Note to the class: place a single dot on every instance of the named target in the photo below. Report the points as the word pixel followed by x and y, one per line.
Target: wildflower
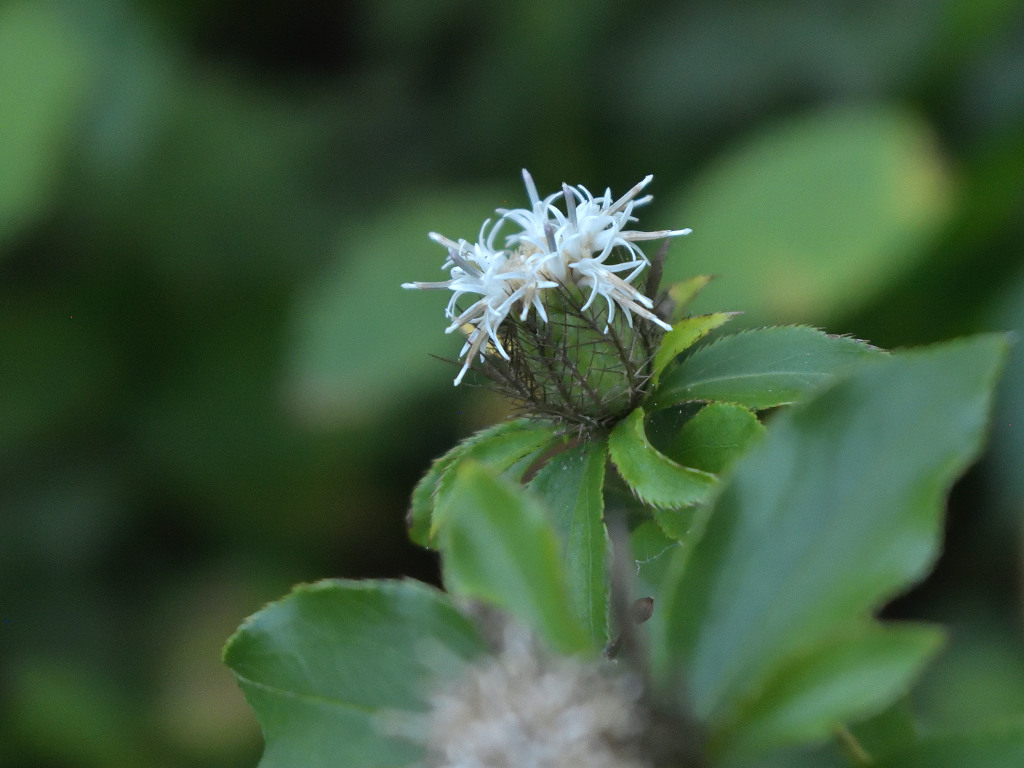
pixel 527 707
pixel 536 325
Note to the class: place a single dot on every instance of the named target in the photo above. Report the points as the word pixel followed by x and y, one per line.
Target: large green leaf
pixel 326 665
pixel 812 217
pixel 572 487
pixel 835 511
pixel 1000 746
pixel 499 546
pixel 759 368
pixel 653 476
pixel 501 446
pixel 854 674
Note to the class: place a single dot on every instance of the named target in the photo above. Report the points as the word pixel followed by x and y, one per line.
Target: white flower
pixel 552 249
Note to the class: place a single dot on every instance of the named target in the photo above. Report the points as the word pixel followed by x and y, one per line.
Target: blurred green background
pixel 212 386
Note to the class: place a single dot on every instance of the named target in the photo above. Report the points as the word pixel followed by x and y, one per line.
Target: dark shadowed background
pixel 212 386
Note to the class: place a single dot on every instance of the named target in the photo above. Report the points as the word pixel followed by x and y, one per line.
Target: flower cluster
pixel 551 250
pixel 526 707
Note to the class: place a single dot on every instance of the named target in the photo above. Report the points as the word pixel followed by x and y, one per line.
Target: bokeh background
pixel 212 386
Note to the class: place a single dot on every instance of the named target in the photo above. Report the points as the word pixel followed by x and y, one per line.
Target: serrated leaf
pixel 571 486
pixel 760 368
pixel 326 666
pixel 845 678
pixel 1001 746
pixel 498 546
pixel 685 334
pixel 421 504
pixel 501 447
pixel 714 437
pixel 653 476
pixel 684 292
pixel 833 513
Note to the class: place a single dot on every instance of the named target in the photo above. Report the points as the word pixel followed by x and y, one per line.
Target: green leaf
pixel 760 368
pixel 501 447
pixel 837 510
pixel 499 546
pixel 685 334
pixel 894 727
pixel 684 292
pixel 45 71
pixel 653 476
pixel 420 516
pixel 814 216
pixel 1001 746
pixel 571 486
pixel 714 437
pixel 328 666
pixel 845 678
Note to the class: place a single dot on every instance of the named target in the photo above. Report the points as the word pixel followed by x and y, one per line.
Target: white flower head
pixel 566 245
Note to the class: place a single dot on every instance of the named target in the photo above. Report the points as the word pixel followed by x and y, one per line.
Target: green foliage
pixel 763 598
pixel 858 671
pixel 211 386
pixel 683 292
pixel 760 368
pixel 685 334
pixel 864 185
pixel 711 439
pixel 500 547
pixel 509 447
pixel 572 487
pixel 998 746
pixel 654 477
pixel 837 510
pixel 326 667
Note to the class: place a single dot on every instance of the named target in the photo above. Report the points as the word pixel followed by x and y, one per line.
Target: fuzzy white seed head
pixel 526 708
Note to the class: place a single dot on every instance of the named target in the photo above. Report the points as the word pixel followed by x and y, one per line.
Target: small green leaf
pixel 421 506
pixel 680 524
pixel 324 667
pixel 1001 746
pixel 684 292
pixel 501 447
pixel 835 511
pixel 854 674
pixel 714 437
pixel 653 476
pixel 685 334
pixel 572 485
pixel 499 546
pixel 760 368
